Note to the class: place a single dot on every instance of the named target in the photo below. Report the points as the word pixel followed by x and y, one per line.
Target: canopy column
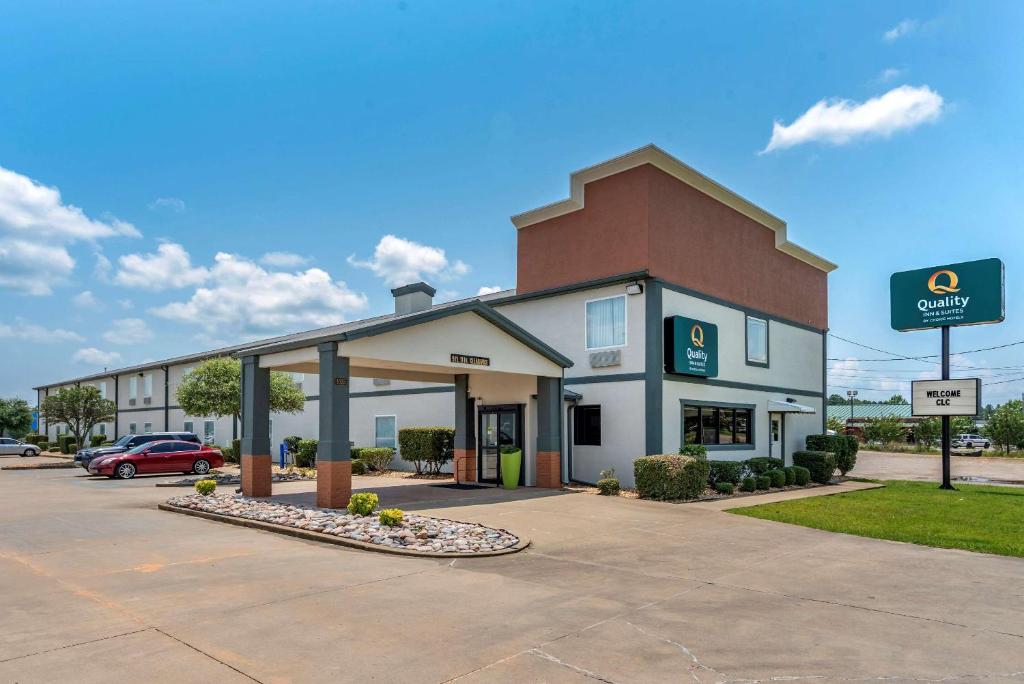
pixel 333 454
pixel 255 446
pixel 549 432
pixel 465 432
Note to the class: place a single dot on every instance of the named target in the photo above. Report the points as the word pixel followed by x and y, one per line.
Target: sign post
pixel 968 293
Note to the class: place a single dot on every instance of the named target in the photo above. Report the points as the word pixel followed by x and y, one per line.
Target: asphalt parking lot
pixel 100 586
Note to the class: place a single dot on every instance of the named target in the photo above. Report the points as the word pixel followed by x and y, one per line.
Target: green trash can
pixel 511 462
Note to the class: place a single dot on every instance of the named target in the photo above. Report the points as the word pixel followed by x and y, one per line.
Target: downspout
pixel 117 405
pixel 824 382
pixel 167 398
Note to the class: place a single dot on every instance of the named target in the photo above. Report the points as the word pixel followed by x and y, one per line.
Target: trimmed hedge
pixel 377 458
pixel 790 475
pixel 358 467
pixel 305 457
pixel 64 443
pixel 725 471
pixel 206 487
pixel 608 486
pixel 428 448
pixel 777 477
pixel 97 440
pixel 803 475
pixel 291 443
pixel 764 482
pixel 695 450
pixel 669 476
pixel 843 447
pixel 759 465
pixel 39 440
pixel 749 484
pixel 821 464
pixel 725 487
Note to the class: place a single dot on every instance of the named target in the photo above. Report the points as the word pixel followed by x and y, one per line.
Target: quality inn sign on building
pixel 968 293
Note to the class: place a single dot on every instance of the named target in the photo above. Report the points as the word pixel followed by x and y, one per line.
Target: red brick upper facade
pixel 645 219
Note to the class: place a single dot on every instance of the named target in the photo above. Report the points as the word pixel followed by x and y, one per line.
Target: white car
pixel 12 447
pixel 970 441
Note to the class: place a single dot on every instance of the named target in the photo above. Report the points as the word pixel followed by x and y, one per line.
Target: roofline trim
pixel 657 157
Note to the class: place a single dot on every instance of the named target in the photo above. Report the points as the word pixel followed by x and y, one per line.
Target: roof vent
pixel 412 298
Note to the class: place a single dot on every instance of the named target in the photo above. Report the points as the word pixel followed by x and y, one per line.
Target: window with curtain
pixel 757 340
pixel 147 428
pixel 147 385
pixel 188 426
pixel 209 431
pixel 606 322
pixel 717 425
pixel 384 432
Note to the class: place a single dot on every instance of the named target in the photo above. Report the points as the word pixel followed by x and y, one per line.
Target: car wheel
pixel 970 445
pixel 126 471
pixel 30 452
pixel 201 467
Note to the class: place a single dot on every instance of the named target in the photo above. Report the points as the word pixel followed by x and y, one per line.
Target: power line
pixel 927 358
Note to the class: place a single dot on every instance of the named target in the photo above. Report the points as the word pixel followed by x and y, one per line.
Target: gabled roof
pixel 660 159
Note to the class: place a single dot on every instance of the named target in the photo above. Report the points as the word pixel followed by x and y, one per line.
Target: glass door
pixel 499 426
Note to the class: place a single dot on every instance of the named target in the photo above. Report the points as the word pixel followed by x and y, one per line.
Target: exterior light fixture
pixel 634 288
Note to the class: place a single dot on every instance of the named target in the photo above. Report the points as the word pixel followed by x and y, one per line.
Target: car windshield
pixel 123 441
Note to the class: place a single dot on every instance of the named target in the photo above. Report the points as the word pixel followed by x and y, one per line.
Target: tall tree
pixel 898 400
pixel 885 429
pixel 80 408
pixel 962 425
pixel 15 417
pixel 214 388
pixel 1006 426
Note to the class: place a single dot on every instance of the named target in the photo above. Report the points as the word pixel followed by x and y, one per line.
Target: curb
pixel 41 466
pixel 337 541
pixel 223 484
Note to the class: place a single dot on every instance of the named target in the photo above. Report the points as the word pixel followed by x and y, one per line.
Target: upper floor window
pixel 147 385
pixel 606 322
pixel 133 387
pixel 103 390
pixel 757 341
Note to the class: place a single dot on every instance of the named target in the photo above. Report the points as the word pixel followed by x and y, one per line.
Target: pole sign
pixel 691 347
pixel 961 397
pixel 969 293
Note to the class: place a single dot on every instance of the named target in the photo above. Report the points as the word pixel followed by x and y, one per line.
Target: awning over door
pixel 775 406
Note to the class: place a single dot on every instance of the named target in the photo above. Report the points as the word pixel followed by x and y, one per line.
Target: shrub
pixel 725 487
pixel 291 443
pixel 695 450
pixel 236 449
pixel 821 464
pixel 358 467
pixel 777 477
pixel 764 482
pixel 70 447
pixel 377 458
pixel 354 452
pixel 37 439
pixel 428 448
pixel 749 484
pixel 759 465
pixel 391 517
pixel 64 443
pixel 608 486
pixel 803 475
pixel 305 457
pixel 725 471
pixel 229 455
pixel 206 487
pixel 97 440
pixel 843 447
pixel 363 503
pixel 790 475
pixel 667 476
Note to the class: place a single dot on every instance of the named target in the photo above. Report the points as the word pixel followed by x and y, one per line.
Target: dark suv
pixel 126 442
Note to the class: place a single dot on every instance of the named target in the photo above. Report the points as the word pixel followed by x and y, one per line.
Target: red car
pixel 170 456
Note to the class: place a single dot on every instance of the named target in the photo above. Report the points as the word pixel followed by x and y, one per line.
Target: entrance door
pixel 775 425
pixel 499 426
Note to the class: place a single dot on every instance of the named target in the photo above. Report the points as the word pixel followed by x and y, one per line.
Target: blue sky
pixel 293 138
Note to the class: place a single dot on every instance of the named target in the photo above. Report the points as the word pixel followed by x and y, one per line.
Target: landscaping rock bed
pixel 228 479
pixel 419 533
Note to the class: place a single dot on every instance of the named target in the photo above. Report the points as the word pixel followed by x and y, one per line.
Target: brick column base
pixel 549 469
pixel 465 465
pixel 333 483
pixel 256 474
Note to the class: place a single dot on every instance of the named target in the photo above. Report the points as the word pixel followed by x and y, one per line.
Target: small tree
pixel 1006 426
pixel 214 388
pixel 15 417
pixel 960 425
pixel 837 425
pixel 80 408
pixel 884 429
pixel 928 431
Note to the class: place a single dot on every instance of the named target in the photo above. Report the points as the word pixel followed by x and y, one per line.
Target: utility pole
pixel 851 394
pixel 946 484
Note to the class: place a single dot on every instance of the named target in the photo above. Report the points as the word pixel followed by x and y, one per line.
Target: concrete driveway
pixel 888 466
pixel 99 586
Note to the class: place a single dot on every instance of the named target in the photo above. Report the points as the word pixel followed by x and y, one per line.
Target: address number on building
pixel 961 397
pixel 471 360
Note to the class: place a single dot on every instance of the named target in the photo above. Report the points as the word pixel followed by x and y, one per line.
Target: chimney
pixel 412 298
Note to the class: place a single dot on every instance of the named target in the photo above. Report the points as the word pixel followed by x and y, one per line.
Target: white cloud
pixel 85 299
pixel 96 357
pixel 905 27
pixel 283 259
pixel 840 121
pixel 890 74
pixel 125 303
pixel 167 203
pixel 128 331
pixel 247 301
pixel 401 262
pixel 23 330
pixel 488 289
pixel 170 267
pixel 35 228
pixel 103 268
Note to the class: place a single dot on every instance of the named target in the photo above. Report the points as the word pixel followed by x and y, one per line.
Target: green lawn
pixel 974 518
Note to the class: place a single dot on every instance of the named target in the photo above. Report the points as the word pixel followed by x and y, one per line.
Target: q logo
pixel 697 336
pixel 951 282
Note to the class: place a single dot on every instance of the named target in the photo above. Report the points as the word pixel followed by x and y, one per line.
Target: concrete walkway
pixel 789 495
pixel 99 586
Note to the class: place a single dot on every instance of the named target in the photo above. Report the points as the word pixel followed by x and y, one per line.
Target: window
pixel 147 385
pixel 147 428
pixel 586 426
pixel 209 431
pixel 188 426
pixel 133 387
pixel 384 432
pixel 103 390
pixel 757 341
pixel 133 428
pixel 606 322
pixel 103 429
pixel 298 379
pixel 729 426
